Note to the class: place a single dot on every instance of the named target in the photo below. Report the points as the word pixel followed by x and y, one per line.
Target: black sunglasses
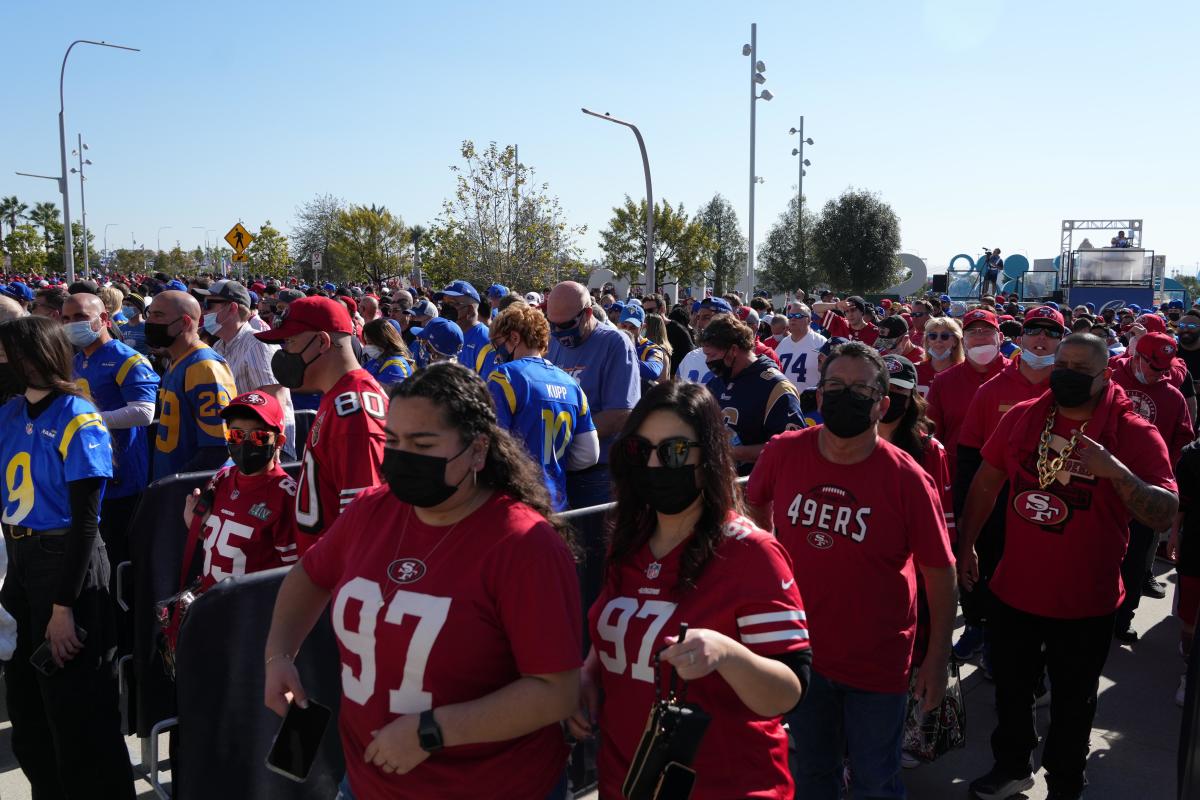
pixel 571 323
pixel 1053 333
pixel 672 452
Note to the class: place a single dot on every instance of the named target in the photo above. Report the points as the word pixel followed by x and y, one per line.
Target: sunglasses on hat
pixel 672 452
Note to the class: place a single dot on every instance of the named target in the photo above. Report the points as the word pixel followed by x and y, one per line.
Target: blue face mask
pixel 1035 361
pixel 503 354
pixel 571 337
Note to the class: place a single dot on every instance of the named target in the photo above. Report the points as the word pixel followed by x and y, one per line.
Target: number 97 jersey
pixel 343 453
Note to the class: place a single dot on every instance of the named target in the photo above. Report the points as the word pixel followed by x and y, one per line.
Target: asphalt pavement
pixel 1133 745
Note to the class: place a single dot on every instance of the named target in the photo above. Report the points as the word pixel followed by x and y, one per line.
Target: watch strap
pixel 429 733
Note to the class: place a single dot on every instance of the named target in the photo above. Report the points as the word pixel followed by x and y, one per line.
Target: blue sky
pixel 979 121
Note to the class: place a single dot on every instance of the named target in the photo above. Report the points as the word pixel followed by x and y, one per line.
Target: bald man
pixel 123 386
pixel 10 309
pixel 195 388
pixel 603 361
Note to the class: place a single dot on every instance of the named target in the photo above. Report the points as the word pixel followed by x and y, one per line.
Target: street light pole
pixel 799 151
pixel 106 227
pixel 68 245
pixel 158 237
pixel 651 278
pixel 757 68
pixel 82 201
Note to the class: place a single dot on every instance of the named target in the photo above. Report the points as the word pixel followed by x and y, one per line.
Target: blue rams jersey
pixel 114 376
pixel 544 407
pixel 67 442
pixel 652 360
pixel 389 370
pixel 478 353
pixel 758 404
pixel 135 337
pixel 193 392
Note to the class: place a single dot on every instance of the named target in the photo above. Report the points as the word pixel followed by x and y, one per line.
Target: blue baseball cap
pixel 1054 305
pixel 1135 307
pixel 329 287
pixel 254 298
pixel 17 291
pixel 1090 307
pixel 177 285
pixel 696 306
pixel 717 304
pixel 1175 304
pixel 497 290
pixel 834 341
pixel 461 289
pixel 442 335
pixel 633 313
pixel 945 298
pixel 617 306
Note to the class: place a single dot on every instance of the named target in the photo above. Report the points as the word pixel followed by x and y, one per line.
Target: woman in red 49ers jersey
pixel 455 605
pixel 680 553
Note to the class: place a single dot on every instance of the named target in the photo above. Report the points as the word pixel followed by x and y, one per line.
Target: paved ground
pixel 1133 742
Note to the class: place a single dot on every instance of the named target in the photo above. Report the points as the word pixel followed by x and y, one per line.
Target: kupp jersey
pixel 1063 545
pixel 853 532
pixel 747 592
pixel 799 359
pixel 431 616
pixel 344 451
pixel 390 370
pixel 251 527
pixel 759 403
pixel 477 353
pixel 67 442
pixel 114 376
pixel 192 394
pixel 543 407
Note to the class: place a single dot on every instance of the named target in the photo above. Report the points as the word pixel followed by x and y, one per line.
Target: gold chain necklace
pixel 1048 467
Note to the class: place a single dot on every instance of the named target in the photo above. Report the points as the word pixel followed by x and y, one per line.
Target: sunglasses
pixel 256 438
pixel 919 314
pixel 1188 326
pixel 1053 333
pixel 798 316
pixel 672 452
pixel 933 336
pixel 569 324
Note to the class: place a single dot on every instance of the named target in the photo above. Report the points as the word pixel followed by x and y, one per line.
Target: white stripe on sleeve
pixel 774 616
pixel 800 634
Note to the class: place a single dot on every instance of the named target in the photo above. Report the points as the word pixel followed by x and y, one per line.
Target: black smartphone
pixel 43 659
pixel 298 739
pixel 204 503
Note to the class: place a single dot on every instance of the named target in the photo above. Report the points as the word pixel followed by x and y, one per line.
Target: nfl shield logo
pixel 653 570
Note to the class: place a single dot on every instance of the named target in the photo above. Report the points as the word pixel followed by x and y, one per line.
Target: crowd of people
pixel 1022 460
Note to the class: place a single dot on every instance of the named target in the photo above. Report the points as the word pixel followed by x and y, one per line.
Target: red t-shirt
pixel 344 451
pixel 936 464
pixel 867 334
pixel 431 616
pixel 1063 546
pixel 746 591
pixel 835 325
pixel 764 349
pixel 251 527
pixel 950 395
pixel 852 532
pixel 1160 403
pixel 925 376
pixel 1177 375
pixel 993 400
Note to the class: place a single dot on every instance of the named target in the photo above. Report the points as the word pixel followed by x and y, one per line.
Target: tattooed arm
pixel 1153 506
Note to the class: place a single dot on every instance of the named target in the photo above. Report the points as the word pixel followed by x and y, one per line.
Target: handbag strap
pixel 673 695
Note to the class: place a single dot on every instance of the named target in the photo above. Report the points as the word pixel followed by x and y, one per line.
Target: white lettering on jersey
pixel 556 392
pixel 833 510
pixel 614 633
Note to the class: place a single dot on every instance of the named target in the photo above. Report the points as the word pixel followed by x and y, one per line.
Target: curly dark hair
pixel 632 522
pixel 466 406
pixel 39 351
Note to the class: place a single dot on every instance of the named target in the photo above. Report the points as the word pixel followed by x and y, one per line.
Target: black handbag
pixel 662 765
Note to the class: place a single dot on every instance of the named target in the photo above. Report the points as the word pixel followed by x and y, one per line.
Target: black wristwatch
pixel 429 733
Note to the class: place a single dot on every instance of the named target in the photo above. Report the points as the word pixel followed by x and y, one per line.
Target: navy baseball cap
pixel 945 298
pixel 423 308
pixel 461 289
pixel 497 290
pixel 442 335
pixel 717 304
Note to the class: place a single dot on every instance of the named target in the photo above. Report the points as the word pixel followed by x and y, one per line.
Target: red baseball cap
pixel 1157 348
pixel 314 313
pixel 349 303
pixel 259 403
pixel 980 315
pixel 1044 312
pixel 1153 323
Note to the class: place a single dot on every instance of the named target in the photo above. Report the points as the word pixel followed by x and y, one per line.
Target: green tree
pixel 46 216
pixel 268 252
pixel 780 265
pixel 11 210
pixel 856 242
pixel 25 247
pixel 127 261
pixel 499 226
pixel 683 247
pixel 370 243
pixel 314 231
pixel 729 243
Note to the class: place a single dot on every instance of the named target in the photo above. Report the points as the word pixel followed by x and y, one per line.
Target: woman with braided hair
pixel 455 605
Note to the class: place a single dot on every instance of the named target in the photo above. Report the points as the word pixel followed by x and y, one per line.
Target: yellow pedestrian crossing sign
pixel 239 238
pixel 239 258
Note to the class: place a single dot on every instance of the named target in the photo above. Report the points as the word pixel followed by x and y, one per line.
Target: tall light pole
pixel 106 227
pixel 82 200
pixel 651 282
pixel 158 238
pixel 208 249
pixel 201 228
pixel 757 78
pixel 68 245
pixel 804 162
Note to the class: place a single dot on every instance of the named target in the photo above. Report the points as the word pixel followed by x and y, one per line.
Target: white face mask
pixel 80 334
pixel 372 352
pixel 210 323
pixel 983 354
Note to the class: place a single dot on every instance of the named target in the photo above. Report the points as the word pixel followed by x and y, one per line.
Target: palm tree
pixel 12 209
pixel 44 215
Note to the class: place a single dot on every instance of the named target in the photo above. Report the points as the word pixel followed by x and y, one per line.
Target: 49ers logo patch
pixel 406 570
pixel 1041 508
pixel 821 541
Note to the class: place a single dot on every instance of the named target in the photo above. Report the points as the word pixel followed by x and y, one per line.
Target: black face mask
pixel 251 458
pixel 289 368
pixel 719 368
pixel 1189 338
pixel 1070 388
pixel 11 381
pixel 845 414
pixel 417 479
pixel 1173 315
pixel 450 312
pixel 157 334
pixel 897 408
pixel 666 490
